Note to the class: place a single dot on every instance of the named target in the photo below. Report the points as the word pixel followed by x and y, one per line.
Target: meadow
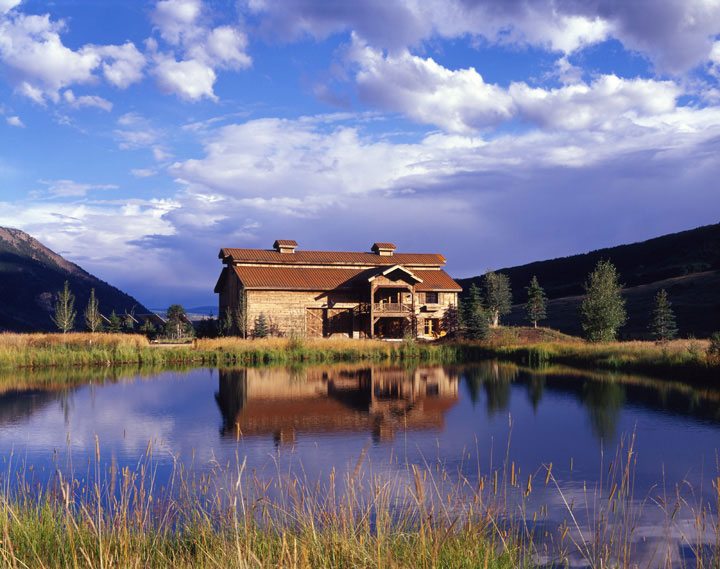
pixel 681 359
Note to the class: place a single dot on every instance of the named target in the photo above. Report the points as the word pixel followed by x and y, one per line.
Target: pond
pixel 468 421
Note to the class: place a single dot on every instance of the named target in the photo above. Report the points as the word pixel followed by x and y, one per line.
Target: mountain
pixel 687 264
pixel 30 275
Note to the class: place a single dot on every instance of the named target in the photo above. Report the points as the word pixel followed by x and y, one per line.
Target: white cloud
pixel 122 64
pixel 460 101
pixel 7 5
pixel 40 65
pixel 70 188
pixel 86 101
pixel 676 34
pixel 191 80
pixel 198 50
pixel 595 105
pixel 457 101
pixel 15 121
pixel 135 132
pixel 177 19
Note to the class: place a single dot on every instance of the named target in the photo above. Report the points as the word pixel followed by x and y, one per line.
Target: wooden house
pixel 381 293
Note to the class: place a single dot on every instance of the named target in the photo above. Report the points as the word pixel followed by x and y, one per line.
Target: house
pixel 376 294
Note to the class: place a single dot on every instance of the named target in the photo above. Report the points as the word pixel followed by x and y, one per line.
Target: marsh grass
pixel 684 359
pixel 414 516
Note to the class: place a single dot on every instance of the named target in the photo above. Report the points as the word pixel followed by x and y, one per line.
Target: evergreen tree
pixel 603 308
pixel 240 319
pixel 128 323
pixel 536 306
pixel 451 321
pixel 663 326
pixel 226 323
pixel 93 318
pixel 498 298
pixel 64 310
pixel 475 318
pixel 114 323
pixel 261 329
pixel 148 328
pixel 176 317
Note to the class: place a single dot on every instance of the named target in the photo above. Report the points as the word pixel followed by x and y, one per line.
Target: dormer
pixel 285 245
pixel 383 249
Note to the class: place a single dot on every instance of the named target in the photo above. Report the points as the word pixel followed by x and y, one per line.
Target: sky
pixel 138 138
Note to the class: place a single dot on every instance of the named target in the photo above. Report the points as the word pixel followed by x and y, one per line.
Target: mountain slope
pixel 30 275
pixel 687 264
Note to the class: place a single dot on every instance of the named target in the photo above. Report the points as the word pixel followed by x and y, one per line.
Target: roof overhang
pixel 394 268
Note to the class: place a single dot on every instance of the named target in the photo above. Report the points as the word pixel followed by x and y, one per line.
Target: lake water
pixel 469 419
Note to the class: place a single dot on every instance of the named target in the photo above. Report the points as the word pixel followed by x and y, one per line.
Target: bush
pixel 713 351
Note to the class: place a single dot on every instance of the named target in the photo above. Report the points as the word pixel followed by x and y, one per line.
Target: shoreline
pixel 685 358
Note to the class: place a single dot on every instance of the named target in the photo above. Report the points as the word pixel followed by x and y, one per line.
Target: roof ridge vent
pixel 285 245
pixel 383 249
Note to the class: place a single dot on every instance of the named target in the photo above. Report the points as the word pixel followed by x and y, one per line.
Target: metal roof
pixel 325 279
pixel 270 256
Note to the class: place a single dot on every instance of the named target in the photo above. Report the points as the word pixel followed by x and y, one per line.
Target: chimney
pixel 383 249
pixel 285 245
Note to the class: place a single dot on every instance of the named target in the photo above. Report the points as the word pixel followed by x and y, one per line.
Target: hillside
pixel 30 275
pixel 687 264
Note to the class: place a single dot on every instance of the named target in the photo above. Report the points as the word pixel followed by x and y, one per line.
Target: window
pixel 431 298
pixel 431 326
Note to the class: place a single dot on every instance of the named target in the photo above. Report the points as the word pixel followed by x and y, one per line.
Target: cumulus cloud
pixel 198 50
pixel 676 34
pixel 457 101
pixel 460 101
pixel 7 5
pixel 86 101
pixel 40 65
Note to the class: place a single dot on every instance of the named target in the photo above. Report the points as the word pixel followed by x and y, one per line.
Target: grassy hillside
pixel 30 274
pixel 687 264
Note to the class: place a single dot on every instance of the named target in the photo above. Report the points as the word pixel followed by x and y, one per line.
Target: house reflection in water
pixel 285 403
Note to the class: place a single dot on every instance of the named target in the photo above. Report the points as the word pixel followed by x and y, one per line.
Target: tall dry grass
pixel 417 516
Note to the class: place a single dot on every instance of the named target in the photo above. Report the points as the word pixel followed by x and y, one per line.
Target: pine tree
pixel 498 298
pixel 261 326
pixel 536 306
pixel 603 308
pixel 148 328
pixel 226 323
pixel 128 323
pixel 451 321
pixel 176 316
pixel 64 311
pixel 663 326
pixel 93 318
pixel 114 323
pixel 475 317
pixel 239 317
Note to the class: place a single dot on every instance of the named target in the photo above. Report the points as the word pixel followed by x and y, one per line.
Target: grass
pixel 680 359
pixel 422 516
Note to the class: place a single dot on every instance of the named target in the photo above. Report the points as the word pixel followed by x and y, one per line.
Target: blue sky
pixel 137 138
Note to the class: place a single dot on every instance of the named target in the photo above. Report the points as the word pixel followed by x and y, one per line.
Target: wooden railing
pixel 397 307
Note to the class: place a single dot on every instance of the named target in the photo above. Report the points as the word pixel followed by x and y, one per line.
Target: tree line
pixel 603 312
pixel 64 316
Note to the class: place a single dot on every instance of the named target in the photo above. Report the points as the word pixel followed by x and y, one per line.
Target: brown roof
pixel 270 256
pixel 299 278
pixel 381 245
pixel 285 243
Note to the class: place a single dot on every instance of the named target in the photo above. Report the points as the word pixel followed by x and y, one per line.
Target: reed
pixel 422 516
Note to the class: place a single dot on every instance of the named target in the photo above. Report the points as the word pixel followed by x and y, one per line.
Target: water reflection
pixel 380 400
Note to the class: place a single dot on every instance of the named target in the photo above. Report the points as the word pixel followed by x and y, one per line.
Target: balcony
pixel 401 308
